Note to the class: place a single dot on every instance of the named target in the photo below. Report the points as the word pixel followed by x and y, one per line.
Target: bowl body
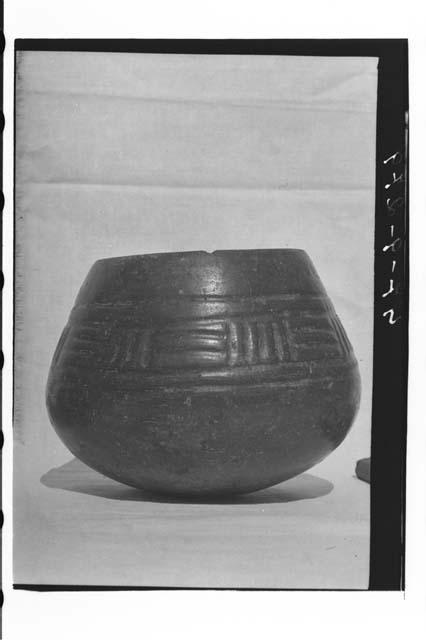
pixel 197 373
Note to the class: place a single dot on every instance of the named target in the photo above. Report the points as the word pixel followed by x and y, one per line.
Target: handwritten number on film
pixel 394 206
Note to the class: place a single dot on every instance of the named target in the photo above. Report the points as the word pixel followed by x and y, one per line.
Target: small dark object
pixel 199 374
pixel 362 469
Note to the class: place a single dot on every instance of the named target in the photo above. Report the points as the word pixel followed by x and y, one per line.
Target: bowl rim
pixel 218 253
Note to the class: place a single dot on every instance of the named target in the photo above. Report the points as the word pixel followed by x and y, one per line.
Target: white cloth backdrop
pixel 120 154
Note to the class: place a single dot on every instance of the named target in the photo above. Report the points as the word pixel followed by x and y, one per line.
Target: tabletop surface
pixel 311 532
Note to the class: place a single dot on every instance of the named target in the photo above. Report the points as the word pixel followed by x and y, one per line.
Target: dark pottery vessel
pixel 197 373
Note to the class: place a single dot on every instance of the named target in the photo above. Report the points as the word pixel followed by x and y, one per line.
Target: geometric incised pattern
pixel 231 342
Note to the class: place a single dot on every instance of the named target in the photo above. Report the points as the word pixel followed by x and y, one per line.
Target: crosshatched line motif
pixel 231 342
